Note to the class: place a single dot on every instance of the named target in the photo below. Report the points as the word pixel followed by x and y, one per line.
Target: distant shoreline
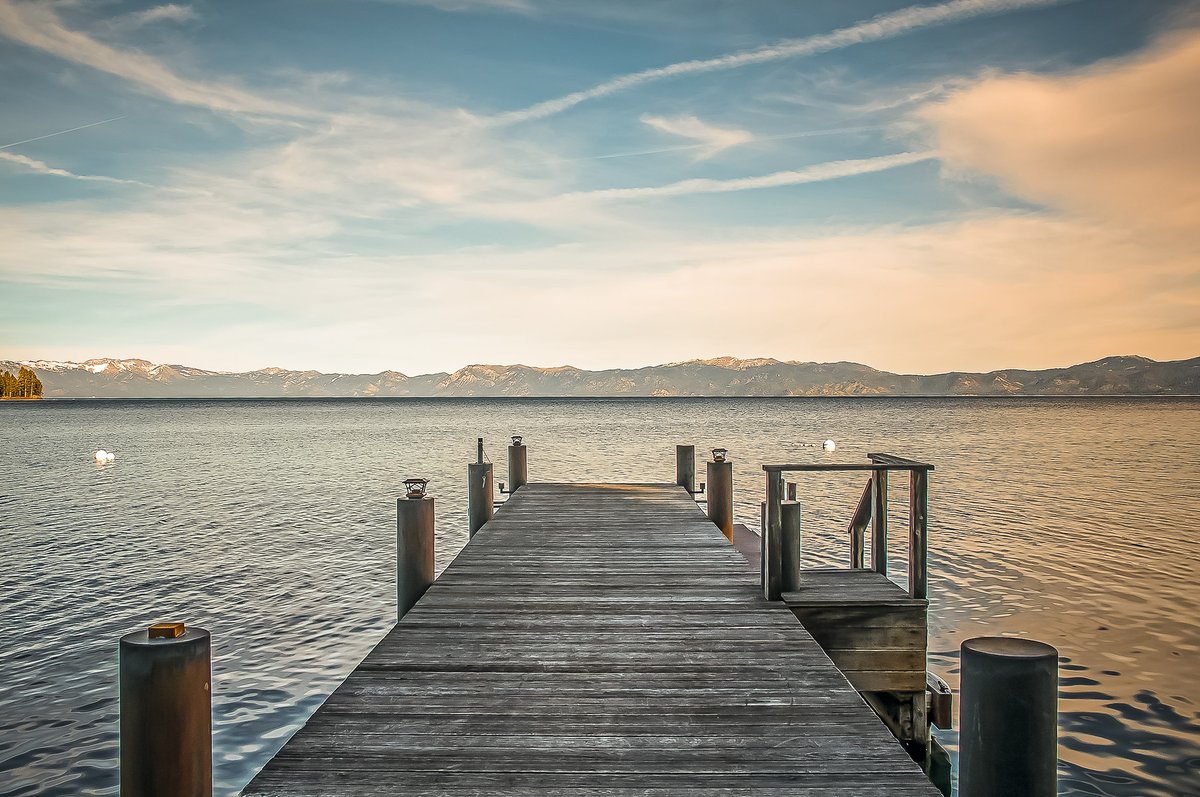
pixel 23 398
pixel 724 377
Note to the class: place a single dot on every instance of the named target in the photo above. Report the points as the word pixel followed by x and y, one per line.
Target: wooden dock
pixel 596 639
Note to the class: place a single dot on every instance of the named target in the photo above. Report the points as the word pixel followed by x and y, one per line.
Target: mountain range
pixel 723 376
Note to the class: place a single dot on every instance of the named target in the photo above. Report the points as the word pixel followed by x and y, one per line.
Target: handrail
pixel 858 526
pixel 891 459
pixel 872 505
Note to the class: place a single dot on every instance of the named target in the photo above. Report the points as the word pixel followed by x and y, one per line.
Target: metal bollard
pixel 720 495
pixel 414 551
pixel 166 712
pixel 1009 718
pixel 518 465
pixel 685 468
pixel 480 493
pixel 789 516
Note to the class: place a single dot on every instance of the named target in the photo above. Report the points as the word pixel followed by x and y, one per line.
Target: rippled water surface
pixel 272 524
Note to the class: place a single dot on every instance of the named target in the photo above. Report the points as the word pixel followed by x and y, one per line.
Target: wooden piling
pixel 918 534
pixel 879 522
pixel 772 560
pixel 720 496
pixel 414 551
pixel 166 712
pixel 685 467
pixel 790 546
pixel 518 465
pixel 480 493
pixel 1009 718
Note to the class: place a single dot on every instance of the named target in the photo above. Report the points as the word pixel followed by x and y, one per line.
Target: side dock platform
pixel 598 639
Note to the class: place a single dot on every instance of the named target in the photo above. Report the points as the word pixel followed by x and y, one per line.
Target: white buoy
pixel 101 456
pixel 829 445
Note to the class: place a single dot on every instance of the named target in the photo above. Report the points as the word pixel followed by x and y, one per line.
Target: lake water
pixel 272 524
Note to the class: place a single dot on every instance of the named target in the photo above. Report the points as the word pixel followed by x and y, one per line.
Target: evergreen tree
pixel 24 385
pixel 25 379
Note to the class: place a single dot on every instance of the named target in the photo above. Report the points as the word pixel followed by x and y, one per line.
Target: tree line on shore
pixel 24 385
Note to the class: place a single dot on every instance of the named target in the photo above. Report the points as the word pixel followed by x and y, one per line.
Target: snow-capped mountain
pixel 721 376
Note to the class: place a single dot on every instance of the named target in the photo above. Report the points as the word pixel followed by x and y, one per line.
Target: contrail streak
pixel 685 147
pixel 879 28
pixel 61 132
pixel 816 173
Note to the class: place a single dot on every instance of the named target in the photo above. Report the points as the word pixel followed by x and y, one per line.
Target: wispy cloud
pixel 41 167
pixel 884 26
pixel 810 174
pixel 171 12
pixel 711 139
pixel 38 26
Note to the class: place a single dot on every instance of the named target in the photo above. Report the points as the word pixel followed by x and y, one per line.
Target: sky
pixel 417 185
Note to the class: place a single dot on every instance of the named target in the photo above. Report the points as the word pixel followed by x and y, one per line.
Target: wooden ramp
pixel 598 639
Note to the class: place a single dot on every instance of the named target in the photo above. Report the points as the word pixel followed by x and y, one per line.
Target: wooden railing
pixel 871 510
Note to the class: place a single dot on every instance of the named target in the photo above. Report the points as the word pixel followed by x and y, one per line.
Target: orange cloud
pixel 1117 142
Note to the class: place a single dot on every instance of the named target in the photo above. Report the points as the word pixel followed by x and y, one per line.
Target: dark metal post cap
pixel 1009 648
pixel 161 634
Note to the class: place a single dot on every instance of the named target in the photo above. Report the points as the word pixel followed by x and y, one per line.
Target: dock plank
pixel 595 640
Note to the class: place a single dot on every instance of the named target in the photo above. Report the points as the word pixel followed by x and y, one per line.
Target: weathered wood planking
pixel 595 640
pixel 871 628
